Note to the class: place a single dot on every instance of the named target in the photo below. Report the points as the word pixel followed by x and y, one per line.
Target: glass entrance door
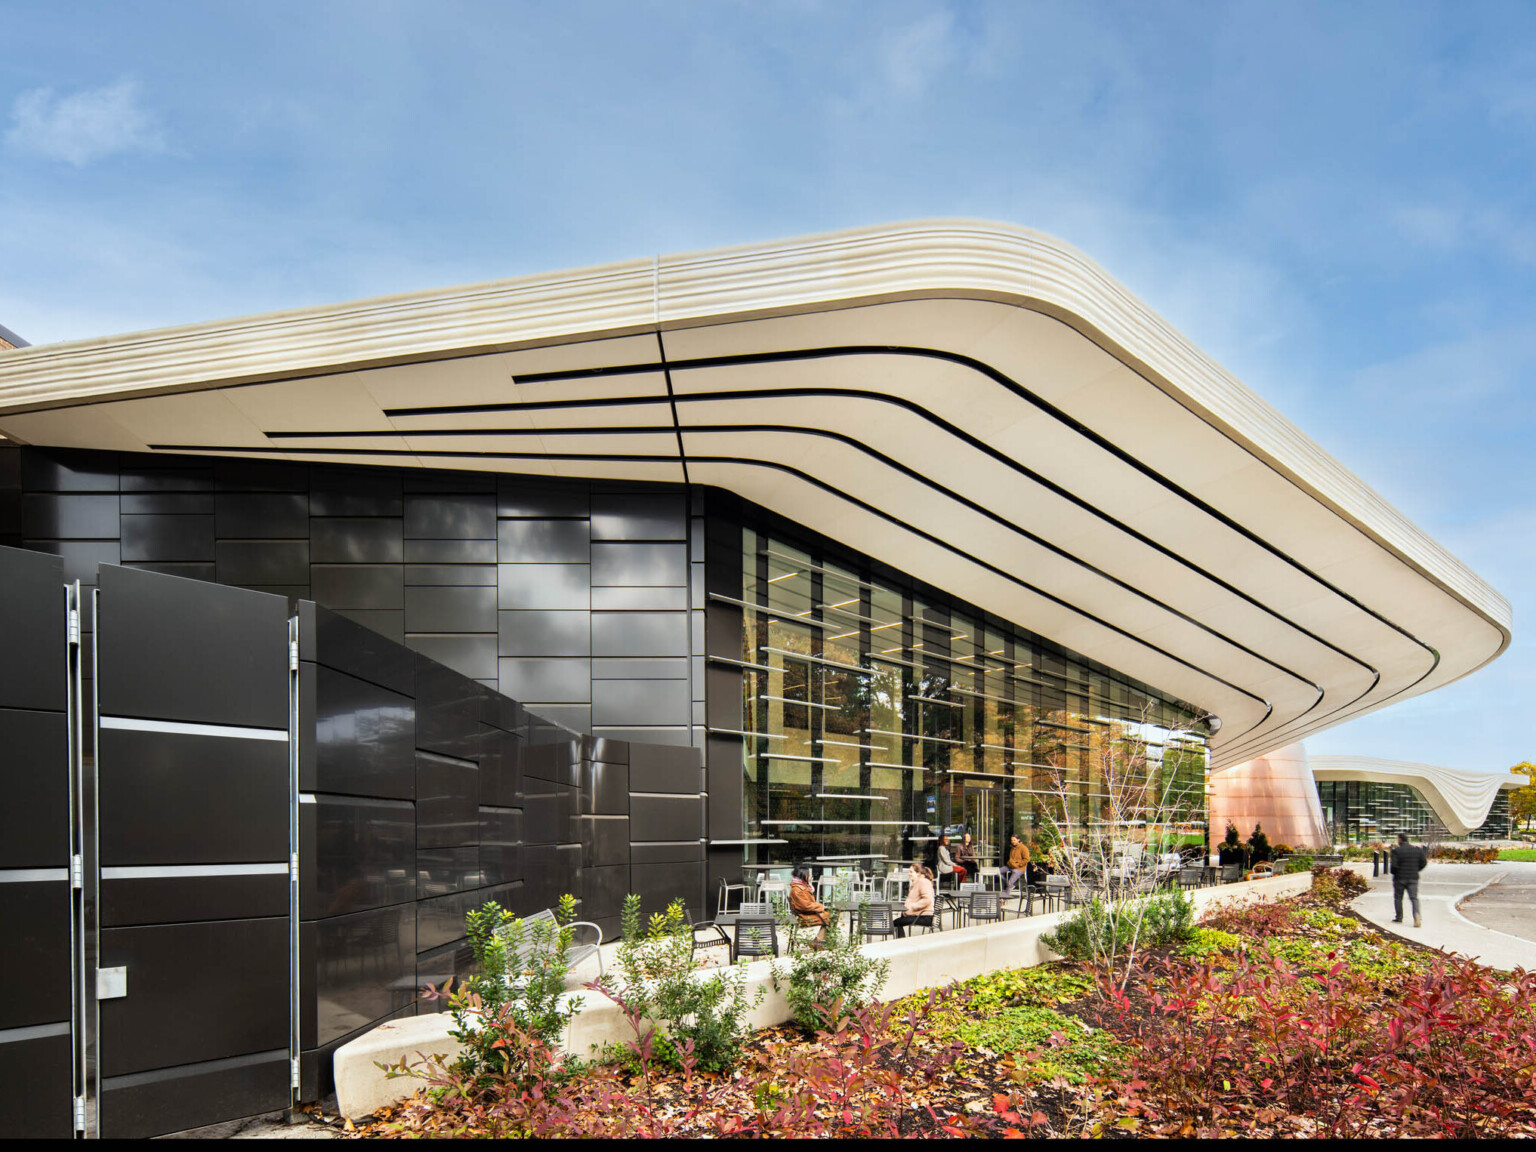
pixel 981 814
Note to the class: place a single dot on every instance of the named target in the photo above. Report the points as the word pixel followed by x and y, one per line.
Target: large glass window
pixel 875 720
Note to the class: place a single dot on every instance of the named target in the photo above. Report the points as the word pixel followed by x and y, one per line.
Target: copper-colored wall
pixel 1275 791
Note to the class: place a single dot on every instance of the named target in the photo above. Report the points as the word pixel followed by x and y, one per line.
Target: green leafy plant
pixel 1207 942
pixel 822 986
pixel 1299 864
pixel 677 1013
pixel 1099 932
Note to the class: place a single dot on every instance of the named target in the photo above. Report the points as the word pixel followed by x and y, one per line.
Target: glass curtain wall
pixel 875 720
pixel 1364 811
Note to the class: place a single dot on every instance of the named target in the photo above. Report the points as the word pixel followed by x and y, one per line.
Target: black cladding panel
pixel 447 809
pixel 655 768
pixel 32 622
pixel 543 541
pixel 333 640
pixel 37 1072
pixel 176 1099
pixel 355 854
pixel 666 817
pixel 501 838
pixel 450 517
pixel 149 669
pixel 34 779
pixel 646 564
pixel 447 711
pixel 176 899
pixel 450 609
pixel 174 798
pixel 262 562
pixel 638 516
pixel 34 964
pixel 53 517
pixel 168 539
pixel 262 516
pixel 359 969
pixel 440 871
pixel 364 737
pixel 556 587
pixel 177 973
pixel 345 540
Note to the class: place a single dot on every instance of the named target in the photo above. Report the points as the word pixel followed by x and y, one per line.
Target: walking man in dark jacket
pixel 1408 860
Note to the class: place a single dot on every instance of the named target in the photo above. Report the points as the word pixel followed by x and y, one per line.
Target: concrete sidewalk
pixel 1441 888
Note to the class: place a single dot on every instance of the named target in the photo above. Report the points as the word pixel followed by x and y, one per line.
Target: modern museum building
pixel 627 579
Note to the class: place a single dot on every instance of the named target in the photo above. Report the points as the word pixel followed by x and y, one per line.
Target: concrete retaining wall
pixel 916 963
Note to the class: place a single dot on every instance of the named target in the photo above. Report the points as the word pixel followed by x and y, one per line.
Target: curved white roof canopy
pixel 974 403
pixel 1460 797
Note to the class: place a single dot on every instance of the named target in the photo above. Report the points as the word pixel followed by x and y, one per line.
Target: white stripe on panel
pixel 32 875
pixel 177 871
pixel 180 728
pixel 35 1032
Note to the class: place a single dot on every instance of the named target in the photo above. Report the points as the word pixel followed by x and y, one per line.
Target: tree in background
pixel 1522 801
pixel 1258 845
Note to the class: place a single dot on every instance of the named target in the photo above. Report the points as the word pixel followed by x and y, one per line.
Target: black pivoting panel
pixel 34 848
pixel 193 777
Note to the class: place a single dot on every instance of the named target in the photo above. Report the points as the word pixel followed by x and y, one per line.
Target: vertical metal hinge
pixel 79 1113
pixel 76 872
pixel 293 1068
pixel 293 655
pixel 73 627
pixel 293 867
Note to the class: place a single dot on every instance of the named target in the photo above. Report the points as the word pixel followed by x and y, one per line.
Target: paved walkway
pixel 1510 888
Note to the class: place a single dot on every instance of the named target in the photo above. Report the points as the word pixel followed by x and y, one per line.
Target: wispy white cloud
pixel 912 55
pixel 83 126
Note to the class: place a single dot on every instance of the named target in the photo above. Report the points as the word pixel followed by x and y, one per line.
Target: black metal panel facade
pixel 535 587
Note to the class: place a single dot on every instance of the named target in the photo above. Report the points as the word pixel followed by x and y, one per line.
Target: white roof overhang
pixel 974 403
pixel 1460 797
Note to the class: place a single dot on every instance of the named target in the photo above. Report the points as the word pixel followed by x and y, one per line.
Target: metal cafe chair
pixel 1058 889
pixel 706 933
pixel 755 936
pixel 991 878
pixel 896 885
pixel 1191 877
pixel 1231 873
pixel 877 918
pixel 723 898
pixel 985 907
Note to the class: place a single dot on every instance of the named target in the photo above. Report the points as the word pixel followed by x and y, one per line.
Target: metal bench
pixel 586 941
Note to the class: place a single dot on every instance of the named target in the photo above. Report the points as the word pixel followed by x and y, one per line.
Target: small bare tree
pixel 1113 826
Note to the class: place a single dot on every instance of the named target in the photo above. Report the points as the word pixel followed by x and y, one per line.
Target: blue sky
pixel 1335 201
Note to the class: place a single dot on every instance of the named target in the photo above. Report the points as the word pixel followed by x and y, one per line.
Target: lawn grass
pixel 1517 853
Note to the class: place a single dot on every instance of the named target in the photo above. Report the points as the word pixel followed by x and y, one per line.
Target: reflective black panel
pixel 639 634
pixel 363 968
pixel 604 840
pixel 175 1099
pixel 447 796
pixel 51 517
pixel 433 575
pixel 32 624
pixel 640 702
pixel 543 541
pixel 658 885
pixel 518 496
pixel 356 541
pixel 262 516
pixel 365 738
pixel 333 640
pixel 173 899
pixel 450 517
pixel 450 551
pixel 639 599
pixel 34 779
pixel 544 633
pixel 450 609
pixel 546 679
pixel 262 561
pixel 641 516
pixel 162 538
pixel 148 668
pixel 36 1071
pixel 359 585
pixel 448 711
pixel 653 768
pixel 440 871
pixel 355 854
pixel 666 817
pixel 70 471
pixel 471 655
pixel 175 798
pixel 81 557
pixel 175 973
pixel 34 964
pixel 605 789
pixel 640 564
pixel 544 585
pixel 501 835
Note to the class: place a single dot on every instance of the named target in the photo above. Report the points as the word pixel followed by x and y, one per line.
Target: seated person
pixel 919 905
pixel 1018 862
pixel 947 865
pixel 807 909
pixel 965 858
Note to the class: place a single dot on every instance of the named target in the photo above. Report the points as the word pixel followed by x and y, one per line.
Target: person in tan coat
pixel 1018 862
pixel 919 905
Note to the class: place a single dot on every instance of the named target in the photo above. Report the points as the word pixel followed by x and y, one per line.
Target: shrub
pixel 1252 921
pixel 1299 864
pixel 1337 885
pixel 1465 854
pixel 1448 1054
pixel 502 1012
pixel 824 986
pixel 700 1019
pixel 1258 845
pixel 1099 932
